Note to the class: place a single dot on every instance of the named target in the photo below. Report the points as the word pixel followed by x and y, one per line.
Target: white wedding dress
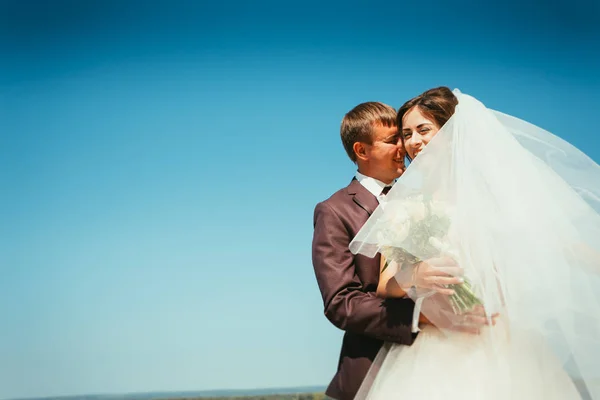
pixel 461 366
pixel 518 208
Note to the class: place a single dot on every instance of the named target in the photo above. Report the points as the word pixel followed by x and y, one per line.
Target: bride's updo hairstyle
pixel 437 104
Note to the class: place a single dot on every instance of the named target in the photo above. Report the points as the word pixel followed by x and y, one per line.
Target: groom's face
pixel 385 154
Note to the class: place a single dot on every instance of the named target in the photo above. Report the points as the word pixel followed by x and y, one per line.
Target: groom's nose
pixel 401 150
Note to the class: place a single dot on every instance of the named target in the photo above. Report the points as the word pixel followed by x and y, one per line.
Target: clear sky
pixel 160 162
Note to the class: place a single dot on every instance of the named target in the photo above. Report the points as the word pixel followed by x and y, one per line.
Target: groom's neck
pixel 372 174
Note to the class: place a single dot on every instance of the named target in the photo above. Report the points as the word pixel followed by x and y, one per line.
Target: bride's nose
pixel 416 140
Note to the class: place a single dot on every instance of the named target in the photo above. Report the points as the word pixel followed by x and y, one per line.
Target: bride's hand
pixel 438 312
pixel 431 276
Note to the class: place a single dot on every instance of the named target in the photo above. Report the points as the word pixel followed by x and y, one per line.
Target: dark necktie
pixel 385 190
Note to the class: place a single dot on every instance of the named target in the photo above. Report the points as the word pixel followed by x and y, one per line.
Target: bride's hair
pixel 438 104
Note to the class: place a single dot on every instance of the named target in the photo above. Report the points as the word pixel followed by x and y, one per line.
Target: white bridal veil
pixel 518 209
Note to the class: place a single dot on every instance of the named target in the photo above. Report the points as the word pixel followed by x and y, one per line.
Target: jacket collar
pixel 362 196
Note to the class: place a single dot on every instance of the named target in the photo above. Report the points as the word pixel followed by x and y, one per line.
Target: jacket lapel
pixel 362 196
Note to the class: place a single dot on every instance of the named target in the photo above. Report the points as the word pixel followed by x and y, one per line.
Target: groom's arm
pixel 347 305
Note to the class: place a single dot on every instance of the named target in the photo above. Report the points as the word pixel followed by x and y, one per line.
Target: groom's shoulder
pixel 338 199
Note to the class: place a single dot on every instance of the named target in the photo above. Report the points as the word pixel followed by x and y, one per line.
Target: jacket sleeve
pixel 346 303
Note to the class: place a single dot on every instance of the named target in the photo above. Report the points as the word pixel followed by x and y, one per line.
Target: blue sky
pixel 160 162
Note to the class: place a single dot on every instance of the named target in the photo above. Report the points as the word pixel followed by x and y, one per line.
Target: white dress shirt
pixel 375 187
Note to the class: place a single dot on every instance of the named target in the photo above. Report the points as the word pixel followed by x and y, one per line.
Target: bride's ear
pixel 360 150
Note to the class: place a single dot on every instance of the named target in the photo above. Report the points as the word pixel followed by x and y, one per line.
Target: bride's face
pixel 417 130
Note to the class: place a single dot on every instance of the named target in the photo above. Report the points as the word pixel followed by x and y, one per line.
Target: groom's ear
pixel 360 150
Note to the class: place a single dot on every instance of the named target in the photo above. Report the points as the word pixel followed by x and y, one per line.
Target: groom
pixel 347 282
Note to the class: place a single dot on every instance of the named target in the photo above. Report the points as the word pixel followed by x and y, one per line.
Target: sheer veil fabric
pixel 519 210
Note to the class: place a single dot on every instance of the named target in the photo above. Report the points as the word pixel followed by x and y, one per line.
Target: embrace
pixel 463 259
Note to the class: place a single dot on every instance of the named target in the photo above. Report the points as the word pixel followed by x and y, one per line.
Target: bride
pixel 514 211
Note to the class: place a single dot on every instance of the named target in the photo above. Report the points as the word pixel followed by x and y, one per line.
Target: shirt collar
pixel 373 185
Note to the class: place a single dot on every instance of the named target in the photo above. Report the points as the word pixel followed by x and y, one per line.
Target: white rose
pixel 416 209
pixel 395 224
pixel 439 209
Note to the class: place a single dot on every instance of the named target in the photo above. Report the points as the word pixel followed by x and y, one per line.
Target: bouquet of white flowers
pixel 419 225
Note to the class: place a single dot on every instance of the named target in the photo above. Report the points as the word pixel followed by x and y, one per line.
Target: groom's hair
pixel 358 123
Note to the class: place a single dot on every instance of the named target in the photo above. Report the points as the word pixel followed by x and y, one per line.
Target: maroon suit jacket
pixel 348 284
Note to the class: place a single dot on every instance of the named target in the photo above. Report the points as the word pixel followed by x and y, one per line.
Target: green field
pixel 299 396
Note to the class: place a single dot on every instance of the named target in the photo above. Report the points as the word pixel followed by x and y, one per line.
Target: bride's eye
pixel 407 135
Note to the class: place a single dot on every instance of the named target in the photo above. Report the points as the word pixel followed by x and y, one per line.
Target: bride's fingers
pixel 467 329
pixel 480 311
pixel 459 326
pixel 443 290
pixel 494 318
pixel 443 280
pixel 480 320
pixel 473 320
pixel 444 271
pixel 448 261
